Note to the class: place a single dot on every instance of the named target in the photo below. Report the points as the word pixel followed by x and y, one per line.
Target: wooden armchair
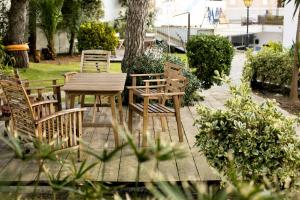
pixel 171 86
pixel 171 71
pixel 39 120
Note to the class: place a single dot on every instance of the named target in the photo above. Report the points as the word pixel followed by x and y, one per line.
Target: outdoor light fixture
pixel 248 3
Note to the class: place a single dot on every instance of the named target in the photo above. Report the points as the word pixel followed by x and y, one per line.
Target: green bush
pixel 153 63
pixel 4 58
pixel 262 141
pixel 96 35
pixel 274 46
pixel 269 65
pixel 208 53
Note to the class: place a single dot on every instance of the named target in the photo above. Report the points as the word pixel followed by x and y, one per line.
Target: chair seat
pixel 153 109
pixel 141 91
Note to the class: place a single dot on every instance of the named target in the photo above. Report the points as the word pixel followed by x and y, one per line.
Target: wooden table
pixel 107 84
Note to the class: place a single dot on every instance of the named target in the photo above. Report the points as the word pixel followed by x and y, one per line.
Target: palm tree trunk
pixel 16 32
pixel 135 31
pixel 51 47
pixel 295 77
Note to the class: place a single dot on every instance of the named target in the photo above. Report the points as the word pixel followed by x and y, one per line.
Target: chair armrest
pixel 145 87
pixel 43 103
pixel 69 74
pixel 60 113
pixel 36 81
pixel 35 88
pixel 163 94
pixel 144 75
pixel 153 80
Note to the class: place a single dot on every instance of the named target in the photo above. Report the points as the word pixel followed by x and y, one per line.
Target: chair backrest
pixel 175 81
pixel 95 61
pixel 20 107
pixel 172 70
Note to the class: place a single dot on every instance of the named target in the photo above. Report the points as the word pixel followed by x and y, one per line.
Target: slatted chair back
pixel 175 82
pixel 95 61
pixel 172 70
pixel 21 110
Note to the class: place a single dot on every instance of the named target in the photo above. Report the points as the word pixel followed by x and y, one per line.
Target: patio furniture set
pixel 40 115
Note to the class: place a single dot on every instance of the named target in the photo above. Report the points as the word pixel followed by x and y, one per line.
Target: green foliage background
pixel 93 35
pixel 207 53
pixel 49 18
pixel 272 64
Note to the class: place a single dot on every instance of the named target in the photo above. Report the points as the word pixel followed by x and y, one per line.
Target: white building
pixel 227 18
pixel 290 25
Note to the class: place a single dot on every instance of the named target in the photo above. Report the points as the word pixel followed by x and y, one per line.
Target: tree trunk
pixel 16 31
pixel 32 25
pixel 135 31
pixel 72 39
pixel 294 84
pixel 51 47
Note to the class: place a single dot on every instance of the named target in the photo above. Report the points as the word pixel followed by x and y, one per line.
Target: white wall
pixel 290 25
pixel 265 37
pixel 61 41
pixel 112 9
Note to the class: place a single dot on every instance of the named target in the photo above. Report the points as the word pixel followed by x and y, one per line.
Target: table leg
pixel 114 119
pixel 67 98
pixel 120 110
pixel 72 101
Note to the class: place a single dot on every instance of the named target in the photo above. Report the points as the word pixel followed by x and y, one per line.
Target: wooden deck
pixel 123 168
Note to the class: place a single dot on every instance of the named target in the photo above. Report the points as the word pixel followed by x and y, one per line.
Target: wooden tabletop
pixel 97 82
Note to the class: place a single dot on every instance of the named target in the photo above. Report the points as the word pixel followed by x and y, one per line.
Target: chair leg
pixel 130 119
pixel 164 125
pixel 82 100
pixel 120 109
pixel 178 118
pixel 94 111
pixel 145 121
pixel 163 119
pixel 145 130
pixel 78 154
pixel 114 119
pixel 98 99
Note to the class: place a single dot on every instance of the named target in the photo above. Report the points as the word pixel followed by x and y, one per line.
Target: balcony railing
pixel 270 20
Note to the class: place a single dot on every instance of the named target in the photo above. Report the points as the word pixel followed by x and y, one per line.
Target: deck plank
pixel 187 169
pixel 167 169
pixel 149 168
pixel 205 171
pixel 129 164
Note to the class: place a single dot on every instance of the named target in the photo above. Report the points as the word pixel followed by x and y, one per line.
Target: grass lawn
pixel 41 71
pixel 55 70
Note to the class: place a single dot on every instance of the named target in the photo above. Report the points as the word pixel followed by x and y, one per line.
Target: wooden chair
pixel 171 71
pixel 171 87
pixel 95 61
pixel 39 120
